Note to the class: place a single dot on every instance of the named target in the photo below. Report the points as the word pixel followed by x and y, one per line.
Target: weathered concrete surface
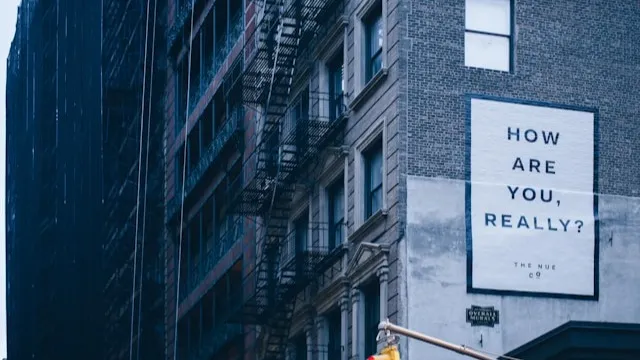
pixel 436 275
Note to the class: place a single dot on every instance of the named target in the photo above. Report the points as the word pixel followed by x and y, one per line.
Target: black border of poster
pixel 596 250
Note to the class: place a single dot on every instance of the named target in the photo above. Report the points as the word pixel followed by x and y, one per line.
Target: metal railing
pixel 210 154
pixel 231 127
pixel 221 244
pixel 182 14
pixel 305 250
pixel 224 45
pixel 320 107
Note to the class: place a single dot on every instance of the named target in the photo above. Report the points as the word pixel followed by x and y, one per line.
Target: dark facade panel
pixel 54 179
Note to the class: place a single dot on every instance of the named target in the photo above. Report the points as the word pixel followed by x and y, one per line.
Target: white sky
pixel 7 29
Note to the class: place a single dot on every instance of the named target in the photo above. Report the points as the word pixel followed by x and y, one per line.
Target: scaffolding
pixel 133 180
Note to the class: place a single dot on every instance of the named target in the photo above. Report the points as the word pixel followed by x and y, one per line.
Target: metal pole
pixel 461 349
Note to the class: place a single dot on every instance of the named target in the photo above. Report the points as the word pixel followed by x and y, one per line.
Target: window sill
pixel 483 69
pixel 369 88
pixel 372 222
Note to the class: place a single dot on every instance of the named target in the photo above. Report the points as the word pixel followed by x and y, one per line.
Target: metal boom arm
pixel 388 328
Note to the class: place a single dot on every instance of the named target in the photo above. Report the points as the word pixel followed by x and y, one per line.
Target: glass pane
pixel 375 175
pixel 376 35
pixel 194 236
pixel 338 204
pixel 372 316
pixel 336 214
pixel 376 64
pixel 376 200
pixel 336 87
pixel 335 328
pixel 301 348
pixel 486 51
pixel 493 16
pixel 207 219
pixel 338 235
pixel 337 82
pixel 301 229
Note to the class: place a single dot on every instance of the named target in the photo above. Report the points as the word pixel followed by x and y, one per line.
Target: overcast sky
pixel 8 12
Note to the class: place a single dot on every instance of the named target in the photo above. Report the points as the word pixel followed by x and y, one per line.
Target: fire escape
pixel 289 141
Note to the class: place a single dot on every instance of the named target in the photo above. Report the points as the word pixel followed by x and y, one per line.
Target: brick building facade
pixel 549 63
pixel 339 120
pixel 339 138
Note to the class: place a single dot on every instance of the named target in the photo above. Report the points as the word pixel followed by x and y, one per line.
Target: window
pixel 179 166
pixel 336 86
pixel 222 222
pixel 301 119
pixel 371 316
pixel 336 213
pixel 207 313
pixel 221 301
pixel 194 148
pixel 207 44
pixel 235 21
pixel 374 41
pixel 301 228
pixel 181 81
pixel 206 123
pixel 195 71
pixel 183 340
pixel 207 226
pixel 334 324
pixel 194 329
pixel 373 178
pixel 220 111
pixel 487 38
pixel 194 239
pixel 300 345
pixel 235 282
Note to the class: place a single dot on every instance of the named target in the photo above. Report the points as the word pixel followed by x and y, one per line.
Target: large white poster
pixel 531 208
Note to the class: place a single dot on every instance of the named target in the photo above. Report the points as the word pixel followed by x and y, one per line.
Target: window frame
pixel 509 37
pixel 301 232
pixel 332 50
pixel 338 183
pixel 371 191
pixel 334 334
pixel 362 84
pixel 373 22
pixel 179 168
pixel 300 344
pixel 376 132
pixel 371 314
pixel 336 100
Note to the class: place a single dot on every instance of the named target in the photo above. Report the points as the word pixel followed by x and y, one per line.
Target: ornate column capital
pixel 355 295
pixel 308 325
pixel 383 273
pixel 343 302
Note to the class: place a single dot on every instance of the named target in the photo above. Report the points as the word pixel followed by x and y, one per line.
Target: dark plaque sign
pixel 483 316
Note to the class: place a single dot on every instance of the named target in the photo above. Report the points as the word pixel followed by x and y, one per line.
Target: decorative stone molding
pixel 369 259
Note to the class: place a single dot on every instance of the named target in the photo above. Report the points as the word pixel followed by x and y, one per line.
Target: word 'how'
pixel 532 136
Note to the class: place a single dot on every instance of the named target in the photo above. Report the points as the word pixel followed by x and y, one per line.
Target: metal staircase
pixel 286 140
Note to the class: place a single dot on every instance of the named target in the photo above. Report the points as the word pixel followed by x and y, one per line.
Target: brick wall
pixel 565 52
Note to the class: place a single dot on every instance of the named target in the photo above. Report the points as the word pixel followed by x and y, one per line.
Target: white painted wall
pixel 437 279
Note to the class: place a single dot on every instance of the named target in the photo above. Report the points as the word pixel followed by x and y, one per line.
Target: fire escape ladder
pixel 287 136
